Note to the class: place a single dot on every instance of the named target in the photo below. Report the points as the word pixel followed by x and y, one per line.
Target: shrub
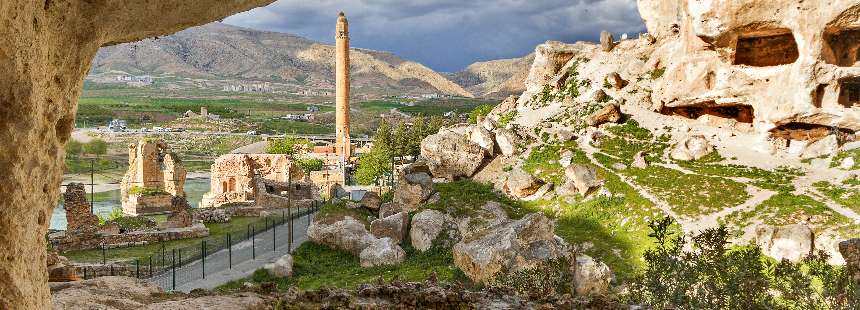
pixel 145 191
pixel 551 277
pixel 480 112
pixel 713 276
pixel 310 164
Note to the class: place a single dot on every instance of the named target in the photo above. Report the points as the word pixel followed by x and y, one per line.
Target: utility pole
pixel 92 184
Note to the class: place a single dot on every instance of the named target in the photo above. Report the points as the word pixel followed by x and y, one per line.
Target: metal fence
pixel 171 268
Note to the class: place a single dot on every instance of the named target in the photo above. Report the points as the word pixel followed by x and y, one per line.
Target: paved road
pixel 218 271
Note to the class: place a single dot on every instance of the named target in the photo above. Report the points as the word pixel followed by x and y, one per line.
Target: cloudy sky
pixel 448 35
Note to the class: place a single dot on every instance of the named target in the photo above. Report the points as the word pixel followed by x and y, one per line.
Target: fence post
pixel 85 273
pixel 174 268
pixel 203 257
pixel 230 250
pixel 253 245
pixel 290 233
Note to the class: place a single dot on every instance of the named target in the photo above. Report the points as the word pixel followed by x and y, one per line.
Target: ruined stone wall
pixel 78 212
pixel 232 176
pixel 274 195
pixel 151 165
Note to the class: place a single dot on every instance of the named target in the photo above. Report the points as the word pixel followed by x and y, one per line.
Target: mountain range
pixel 221 51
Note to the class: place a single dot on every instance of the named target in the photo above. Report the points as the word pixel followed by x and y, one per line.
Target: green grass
pixel 543 162
pixel 331 213
pixel 847 197
pixel 690 194
pixel 317 266
pixel 787 208
pixel 837 160
pixel 779 179
pixel 463 198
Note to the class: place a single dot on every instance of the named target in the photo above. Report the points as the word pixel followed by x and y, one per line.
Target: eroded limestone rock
pixel 521 184
pixel 451 155
pixel 431 227
pixel 590 276
pixel 382 251
pixel 792 242
pixel 346 234
pixel 393 227
pixel 692 148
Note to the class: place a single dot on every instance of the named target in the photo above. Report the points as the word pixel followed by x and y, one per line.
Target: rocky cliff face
pixel 222 51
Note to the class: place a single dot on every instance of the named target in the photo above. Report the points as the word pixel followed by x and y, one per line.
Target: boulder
pixel 211 215
pixel 450 155
pixel 521 184
pixel 512 246
pixel 507 140
pixel 371 201
pixel 281 268
pixel 483 138
pixel 847 163
pixel 60 269
pixel 608 114
pixel 393 227
pixel 383 251
pixel 619 166
pixel 614 79
pixel 581 177
pixel 412 190
pixel 346 234
pixel 590 277
pixel 607 42
pixel 692 148
pixel 487 216
pixel 791 242
pixel 388 209
pixel 639 161
pixel 850 250
pixel 431 227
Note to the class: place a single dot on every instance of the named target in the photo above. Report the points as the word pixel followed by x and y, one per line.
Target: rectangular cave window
pixel 766 50
pixel 740 113
pixel 845 45
pixel 808 132
pixel 849 92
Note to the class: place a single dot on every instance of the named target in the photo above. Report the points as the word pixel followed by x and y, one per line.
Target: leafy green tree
pixel 436 123
pixel 372 166
pixel 288 145
pixel 479 112
pixel 96 147
pixel 310 164
pixel 74 148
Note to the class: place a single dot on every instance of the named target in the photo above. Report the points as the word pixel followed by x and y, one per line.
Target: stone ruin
pixel 791 70
pixel 154 176
pixel 85 232
pixel 257 179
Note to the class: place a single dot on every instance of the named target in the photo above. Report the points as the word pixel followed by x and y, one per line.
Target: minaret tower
pixel 343 145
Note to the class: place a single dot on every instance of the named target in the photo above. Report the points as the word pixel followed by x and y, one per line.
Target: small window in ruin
pixel 849 92
pixel 772 48
pixel 224 187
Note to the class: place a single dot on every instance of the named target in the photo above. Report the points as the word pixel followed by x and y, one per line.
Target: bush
pixel 310 164
pixel 713 276
pixel 145 191
pixel 480 111
pixel 96 147
pixel 548 278
pixel 115 214
pixel 288 145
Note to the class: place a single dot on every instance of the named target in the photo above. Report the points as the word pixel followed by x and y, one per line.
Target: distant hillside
pixel 223 51
pixel 496 78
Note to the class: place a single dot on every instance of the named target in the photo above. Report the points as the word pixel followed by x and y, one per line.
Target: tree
pixel 96 147
pixel 372 166
pixel 417 133
pixel 74 148
pixel 288 145
pixel 400 141
pixel 310 164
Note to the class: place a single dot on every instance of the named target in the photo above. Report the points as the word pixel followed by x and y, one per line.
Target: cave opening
pixel 845 45
pixel 849 92
pixel 809 132
pixel 740 113
pixel 766 49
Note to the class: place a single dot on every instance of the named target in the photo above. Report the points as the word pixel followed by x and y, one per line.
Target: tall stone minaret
pixel 343 145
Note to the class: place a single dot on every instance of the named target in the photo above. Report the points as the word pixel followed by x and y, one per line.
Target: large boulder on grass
pixel 371 200
pixel 393 227
pixel 692 148
pixel 590 276
pixel 346 233
pixel 451 155
pixel 791 242
pixel 380 252
pixel 431 227
pixel 521 184
pixel 412 190
pixel 283 267
pixel 511 247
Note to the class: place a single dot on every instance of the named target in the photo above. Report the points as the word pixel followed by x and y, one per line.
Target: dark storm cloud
pixel 447 35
